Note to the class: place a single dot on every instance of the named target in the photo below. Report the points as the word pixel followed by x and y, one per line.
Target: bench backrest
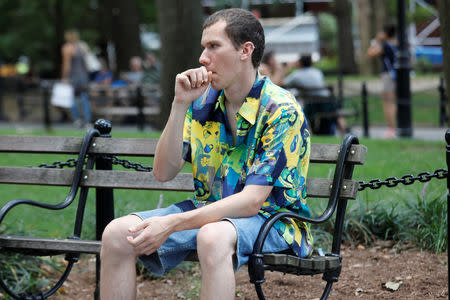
pixel 316 187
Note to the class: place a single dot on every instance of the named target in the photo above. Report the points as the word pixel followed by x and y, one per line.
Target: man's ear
pixel 246 50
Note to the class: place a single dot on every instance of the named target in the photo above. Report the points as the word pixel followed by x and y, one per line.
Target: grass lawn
pixel 384 159
pixel 424 112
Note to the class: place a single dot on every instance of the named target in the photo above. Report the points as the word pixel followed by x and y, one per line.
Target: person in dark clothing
pixel 74 71
pixel 384 47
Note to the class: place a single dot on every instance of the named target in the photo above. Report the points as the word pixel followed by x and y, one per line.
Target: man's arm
pixel 67 53
pixel 153 232
pixel 189 86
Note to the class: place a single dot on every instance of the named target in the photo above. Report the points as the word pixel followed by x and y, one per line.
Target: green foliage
pixel 421 220
pixel 328 33
pixel 30 274
pixel 30 27
pixel 425 221
pixel 327 64
pixel 423 65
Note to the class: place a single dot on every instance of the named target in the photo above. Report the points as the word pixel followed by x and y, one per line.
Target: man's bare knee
pixel 216 242
pixel 114 240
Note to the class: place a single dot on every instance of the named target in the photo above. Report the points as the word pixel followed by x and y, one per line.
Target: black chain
pixel 72 162
pixel 405 180
pixel 128 164
pixel 373 184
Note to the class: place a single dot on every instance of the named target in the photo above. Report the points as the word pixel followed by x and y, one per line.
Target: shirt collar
pixel 250 107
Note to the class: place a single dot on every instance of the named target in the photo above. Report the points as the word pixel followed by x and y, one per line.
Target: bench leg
pixel 327 290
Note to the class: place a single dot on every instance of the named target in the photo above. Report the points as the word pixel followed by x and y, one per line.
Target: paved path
pixel 422 133
pixel 353 87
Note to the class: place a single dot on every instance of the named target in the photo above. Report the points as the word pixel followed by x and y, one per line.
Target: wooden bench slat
pixel 274 261
pixel 316 187
pixel 71 145
pixel 53 245
pixel 127 110
pixel 320 153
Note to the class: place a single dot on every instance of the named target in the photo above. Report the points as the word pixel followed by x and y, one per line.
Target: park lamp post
pixel 403 67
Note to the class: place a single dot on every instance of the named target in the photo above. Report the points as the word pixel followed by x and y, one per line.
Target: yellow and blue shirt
pixel 272 148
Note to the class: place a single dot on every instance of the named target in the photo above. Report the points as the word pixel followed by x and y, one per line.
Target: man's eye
pixel 213 46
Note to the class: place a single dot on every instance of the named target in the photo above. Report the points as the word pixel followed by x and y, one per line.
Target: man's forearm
pixel 246 203
pixel 168 155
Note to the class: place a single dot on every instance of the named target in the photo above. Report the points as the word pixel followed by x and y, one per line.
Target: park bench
pixel 99 147
pixel 322 111
pixel 132 102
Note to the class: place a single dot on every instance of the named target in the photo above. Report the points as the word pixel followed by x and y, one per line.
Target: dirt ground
pixel 420 275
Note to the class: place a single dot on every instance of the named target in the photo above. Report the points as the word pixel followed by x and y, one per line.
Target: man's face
pixel 220 56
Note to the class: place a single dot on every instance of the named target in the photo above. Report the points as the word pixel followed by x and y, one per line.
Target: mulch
pixel 375 273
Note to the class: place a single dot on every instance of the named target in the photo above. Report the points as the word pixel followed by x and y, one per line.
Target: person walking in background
pixel 74 71
pixel 384 47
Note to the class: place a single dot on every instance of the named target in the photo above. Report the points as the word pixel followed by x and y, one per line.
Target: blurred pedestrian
pixel 74 71
pixel 310 83
pixel 103 77
pixel 384 46
pixel 152 69
pixel 135 74
pixel 272 68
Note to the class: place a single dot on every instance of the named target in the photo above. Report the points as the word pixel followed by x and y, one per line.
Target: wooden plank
pixel 320 153
pixel 316 187
pixel 71 145
pixel 45 244
pixel 328 153
pixel 127 110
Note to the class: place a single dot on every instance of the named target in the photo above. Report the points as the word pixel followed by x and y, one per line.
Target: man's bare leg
pixel 118 261
pixel 216 244
pixel 390 113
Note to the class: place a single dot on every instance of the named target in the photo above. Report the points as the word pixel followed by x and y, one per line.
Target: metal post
pixel 365 111
pixel 46 85
pixel 403 67
pixel 2 116
pixel 447 138
pixel 21 86
pixel 104 198
pixel 442 102
pixel 340 89
pixel 140 120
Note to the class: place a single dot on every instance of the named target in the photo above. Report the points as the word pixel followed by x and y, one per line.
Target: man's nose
pixel 204 59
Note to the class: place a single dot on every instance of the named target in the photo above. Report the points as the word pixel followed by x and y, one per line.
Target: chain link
pixel 127 164
pixel 72 163
pixel 408 179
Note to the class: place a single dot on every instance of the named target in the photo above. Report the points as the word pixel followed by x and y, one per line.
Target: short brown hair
pixel 242 26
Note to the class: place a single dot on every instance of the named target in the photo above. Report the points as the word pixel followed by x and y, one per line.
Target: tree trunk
pixel 346 53
pixel 180 29
pixel 124 31
pixel 59 38
pixel 365 34
pixel 444 20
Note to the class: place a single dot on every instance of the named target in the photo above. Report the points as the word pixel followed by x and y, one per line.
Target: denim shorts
pixel 180 244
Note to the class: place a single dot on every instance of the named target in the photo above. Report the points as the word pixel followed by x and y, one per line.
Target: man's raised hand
pixel 191 84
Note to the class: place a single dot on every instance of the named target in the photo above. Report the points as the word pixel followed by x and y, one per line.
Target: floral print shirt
pixel 272 148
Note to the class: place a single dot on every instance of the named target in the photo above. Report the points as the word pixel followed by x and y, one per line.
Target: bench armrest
pixel 256 266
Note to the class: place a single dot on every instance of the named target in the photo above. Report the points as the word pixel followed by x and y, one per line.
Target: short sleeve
pixel 187 136
pixel 277 158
